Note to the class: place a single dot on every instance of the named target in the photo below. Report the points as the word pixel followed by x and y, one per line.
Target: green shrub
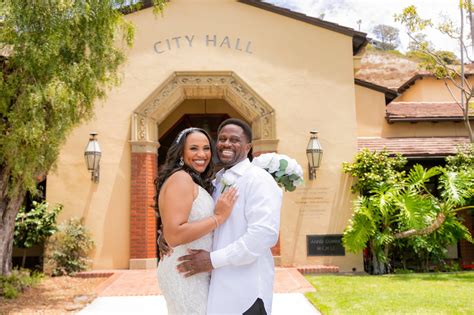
pixel 34 226
pixel 373 169
pixel 68 249
pixel 18 281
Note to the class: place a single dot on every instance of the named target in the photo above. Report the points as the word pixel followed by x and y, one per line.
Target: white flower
pixel 274 165
pixel 228 180
pixel 298 182
pixel 299 171
pixel 263 160
pixel 291 168
pixel 288 178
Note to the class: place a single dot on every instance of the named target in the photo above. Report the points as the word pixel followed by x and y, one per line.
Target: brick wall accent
pixel 466 248
pixel 275 249
pixel 142 213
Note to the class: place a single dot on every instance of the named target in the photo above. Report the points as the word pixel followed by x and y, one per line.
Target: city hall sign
pixel 189 41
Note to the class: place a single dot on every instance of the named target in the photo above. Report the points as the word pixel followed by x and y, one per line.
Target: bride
pixel 188 216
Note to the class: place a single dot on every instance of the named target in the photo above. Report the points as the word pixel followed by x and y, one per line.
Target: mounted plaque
pixel 325 245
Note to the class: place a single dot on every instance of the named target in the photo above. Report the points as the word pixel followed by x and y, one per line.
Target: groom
pixel 241 260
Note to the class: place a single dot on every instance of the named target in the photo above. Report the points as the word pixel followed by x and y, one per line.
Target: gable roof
pixel 359 39
pixel 468 71
pixel 417 76
pixel 390 94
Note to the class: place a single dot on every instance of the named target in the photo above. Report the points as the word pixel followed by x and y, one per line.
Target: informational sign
pixel 325 245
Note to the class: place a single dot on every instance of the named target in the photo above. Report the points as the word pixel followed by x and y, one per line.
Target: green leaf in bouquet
pixel 279 174
pixel 293 177
pixel 290 188
pixel 283 165
pixel 286 181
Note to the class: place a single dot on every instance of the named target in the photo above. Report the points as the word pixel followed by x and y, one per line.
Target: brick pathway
pixel 145 282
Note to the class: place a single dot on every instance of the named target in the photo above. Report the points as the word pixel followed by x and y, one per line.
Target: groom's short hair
pixel 242 124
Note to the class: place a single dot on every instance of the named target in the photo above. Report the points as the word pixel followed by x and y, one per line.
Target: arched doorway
pixel 231 96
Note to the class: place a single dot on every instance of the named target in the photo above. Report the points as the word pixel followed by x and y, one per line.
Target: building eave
pixel 359 39
pixel 390 94
pixel 424 119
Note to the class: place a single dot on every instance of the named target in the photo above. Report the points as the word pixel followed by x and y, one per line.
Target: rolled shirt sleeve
pixel 262 206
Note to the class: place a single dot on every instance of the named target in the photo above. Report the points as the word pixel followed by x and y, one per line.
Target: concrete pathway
pixel 137 292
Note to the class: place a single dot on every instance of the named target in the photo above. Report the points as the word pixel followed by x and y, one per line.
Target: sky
pixel 374 12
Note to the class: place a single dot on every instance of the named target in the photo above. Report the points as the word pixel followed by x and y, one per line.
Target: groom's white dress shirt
pixel 241 257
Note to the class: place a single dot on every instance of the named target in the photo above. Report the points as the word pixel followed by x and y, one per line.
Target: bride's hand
pixel 224 204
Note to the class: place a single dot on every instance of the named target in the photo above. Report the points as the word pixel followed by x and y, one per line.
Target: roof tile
pixel 422 111
pixel 414 147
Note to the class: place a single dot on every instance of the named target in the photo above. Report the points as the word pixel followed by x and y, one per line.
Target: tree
pixel 59 57
pixel 437 62
pixel 414 45
pixel 394 206
pixel 387 35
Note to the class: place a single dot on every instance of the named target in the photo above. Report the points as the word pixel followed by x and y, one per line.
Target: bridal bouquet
pixel 286 171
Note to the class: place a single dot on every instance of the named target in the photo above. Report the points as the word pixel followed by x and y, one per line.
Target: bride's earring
pixel 181 162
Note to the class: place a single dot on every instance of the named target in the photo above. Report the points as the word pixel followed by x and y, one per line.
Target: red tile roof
pixel 423 111
pixel 413 147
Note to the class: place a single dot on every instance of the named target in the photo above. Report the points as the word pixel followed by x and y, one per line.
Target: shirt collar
pixel 240 168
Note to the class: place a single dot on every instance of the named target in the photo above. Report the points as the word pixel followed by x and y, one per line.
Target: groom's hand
pixel 197 261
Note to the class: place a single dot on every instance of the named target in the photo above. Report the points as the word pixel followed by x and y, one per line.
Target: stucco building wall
pixel 371 113
pixel 304 72
pixel 430 89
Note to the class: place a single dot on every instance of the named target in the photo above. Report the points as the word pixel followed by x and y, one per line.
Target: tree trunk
pixel 9 207
pixel 23 259
pixel 471 22
pixel 427 230
pixel 467 123
pixel 378 267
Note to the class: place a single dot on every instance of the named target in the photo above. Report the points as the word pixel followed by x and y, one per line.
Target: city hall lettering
pixel 189 41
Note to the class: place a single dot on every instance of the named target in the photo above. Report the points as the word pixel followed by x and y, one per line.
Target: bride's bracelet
pixel 215 220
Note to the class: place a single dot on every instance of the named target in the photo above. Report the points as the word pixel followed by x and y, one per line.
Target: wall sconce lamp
pixel 314 152
pixel 92 155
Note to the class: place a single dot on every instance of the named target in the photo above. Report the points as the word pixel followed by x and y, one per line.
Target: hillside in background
pixel 386 69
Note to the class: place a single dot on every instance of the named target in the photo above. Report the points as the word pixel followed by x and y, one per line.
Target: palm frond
pixel 416 211
pixel 457 187
pixel 419 176
pixel 360 228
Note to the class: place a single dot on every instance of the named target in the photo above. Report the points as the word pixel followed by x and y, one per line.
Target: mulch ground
pixel 56 295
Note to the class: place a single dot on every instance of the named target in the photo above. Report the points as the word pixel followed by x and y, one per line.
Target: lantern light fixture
pixel 314 153
pixel 92 155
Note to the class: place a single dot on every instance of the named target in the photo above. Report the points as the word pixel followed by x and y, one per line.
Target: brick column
pixel 143 249
pixel 260 147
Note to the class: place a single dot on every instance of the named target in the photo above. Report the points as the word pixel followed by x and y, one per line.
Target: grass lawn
pixel 431 293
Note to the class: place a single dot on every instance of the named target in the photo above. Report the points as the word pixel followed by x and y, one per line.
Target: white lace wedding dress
pixel 187 295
